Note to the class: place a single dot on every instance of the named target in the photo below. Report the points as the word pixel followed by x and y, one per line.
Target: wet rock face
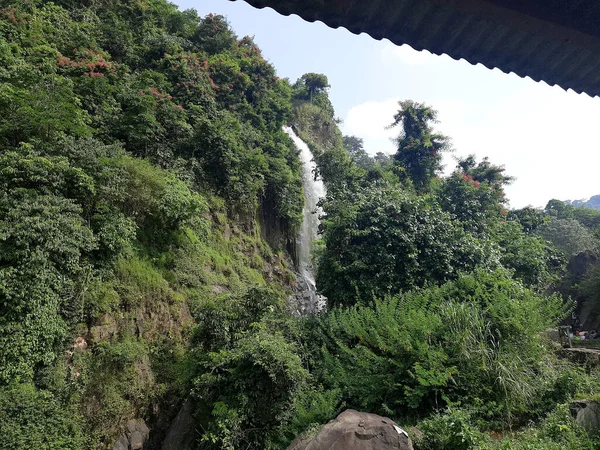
pixel 305 301
pixel 353 430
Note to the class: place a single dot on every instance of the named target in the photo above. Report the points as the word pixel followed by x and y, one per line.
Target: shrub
pixel 34 419
pixel 472 340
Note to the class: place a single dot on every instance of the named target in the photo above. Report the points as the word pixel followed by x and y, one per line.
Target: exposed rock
pixel 181 432
pixel 107 328
pixel 135 437
pixel 218 289
pixel 587 356
pixel 137 425
pixel 80 345
pixel 136 441
pixel 353 430
pixel 551 334
pixel 122 444
pixel 587 415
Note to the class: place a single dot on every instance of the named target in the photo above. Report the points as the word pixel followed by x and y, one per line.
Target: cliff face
pixel 131 361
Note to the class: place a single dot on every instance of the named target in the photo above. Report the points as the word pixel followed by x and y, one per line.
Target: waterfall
pixel 309 301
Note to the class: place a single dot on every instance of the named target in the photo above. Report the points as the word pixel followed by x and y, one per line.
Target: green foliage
pixel 138 146
pixel 213 35
pixel 556 431
pixel 452 430
pixel 247 375
pixel 474 193
pixel 313 87
pixel 116 382
pixel 530 218
pixel 455 429
pixel 383 241
pixel 311 408
pixel 354 147
pixel 569 235
pixel 31 418
pixel 419 148
pixel 474 340
pixel 534 261
pixel 560 210
pixel 42 239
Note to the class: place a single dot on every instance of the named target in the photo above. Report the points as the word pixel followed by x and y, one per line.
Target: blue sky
pixel 544 136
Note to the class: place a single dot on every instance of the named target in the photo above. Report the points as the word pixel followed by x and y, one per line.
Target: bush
pixel 383 241
pixel 452 430
pixel 33 419
pixel 249 389
pixel 474 340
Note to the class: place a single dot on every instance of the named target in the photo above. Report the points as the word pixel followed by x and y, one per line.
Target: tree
pixel 474 193
pixel 558 209
pixel 382 240
pixel 568 235
pixel 214 35
pixel 537 263
pixel 314 83
pixel 418 147
pixel 354 146
pixel 529 217
pixel 36 419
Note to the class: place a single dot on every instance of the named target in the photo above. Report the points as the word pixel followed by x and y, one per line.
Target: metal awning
pixel 557 41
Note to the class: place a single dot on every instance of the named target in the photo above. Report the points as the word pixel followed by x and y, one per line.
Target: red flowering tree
pixel 474 193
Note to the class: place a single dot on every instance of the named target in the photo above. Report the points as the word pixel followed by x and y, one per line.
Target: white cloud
pixel 369 121
pixel 405 54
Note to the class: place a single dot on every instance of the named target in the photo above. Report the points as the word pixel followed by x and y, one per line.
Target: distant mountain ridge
pixel 592 203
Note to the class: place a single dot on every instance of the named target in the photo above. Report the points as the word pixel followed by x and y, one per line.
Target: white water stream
pixel 314 189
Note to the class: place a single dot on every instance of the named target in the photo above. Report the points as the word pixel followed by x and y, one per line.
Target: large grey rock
pixel 587 415
pixel 122 444
pixel 135 437
pixel 353 430
pixel 181 433
pixel 136 440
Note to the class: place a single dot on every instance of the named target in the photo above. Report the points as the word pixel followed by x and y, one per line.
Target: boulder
pixel 182 432
pixel 353 430
pixel 587 415
pixel 135 437
pixel 122 444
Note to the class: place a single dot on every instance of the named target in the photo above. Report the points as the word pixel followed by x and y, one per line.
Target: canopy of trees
pixel 149 205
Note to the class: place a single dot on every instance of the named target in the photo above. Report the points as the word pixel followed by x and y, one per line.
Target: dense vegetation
pixel 149 204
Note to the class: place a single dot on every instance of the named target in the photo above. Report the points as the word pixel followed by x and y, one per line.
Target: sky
pixel 544 136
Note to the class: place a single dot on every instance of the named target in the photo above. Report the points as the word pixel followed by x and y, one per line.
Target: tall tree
pixel 419 148
pixel 314 83
pixel 474 193
pixel 355 147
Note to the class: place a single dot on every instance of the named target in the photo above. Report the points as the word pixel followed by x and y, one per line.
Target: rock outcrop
pixel 353 430
pixel 585 356
pixel 587 415
pixel 182 432
pixel 135 436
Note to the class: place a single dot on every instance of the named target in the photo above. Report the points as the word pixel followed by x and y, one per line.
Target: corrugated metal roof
pixel 557 41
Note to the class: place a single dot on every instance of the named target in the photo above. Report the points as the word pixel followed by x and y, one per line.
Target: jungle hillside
pixel 150 208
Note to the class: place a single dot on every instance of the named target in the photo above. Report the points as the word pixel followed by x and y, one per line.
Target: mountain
pixel 591 203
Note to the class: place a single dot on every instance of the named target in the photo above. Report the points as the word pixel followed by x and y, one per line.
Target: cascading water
pixel 309 302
